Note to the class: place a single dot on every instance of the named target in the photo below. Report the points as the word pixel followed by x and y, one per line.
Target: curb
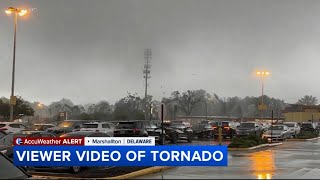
pixel 142 172
pixel 255 147
pixel 303 139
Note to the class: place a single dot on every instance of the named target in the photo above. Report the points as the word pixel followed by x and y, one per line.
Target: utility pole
pixel 146 72
pixel 206 110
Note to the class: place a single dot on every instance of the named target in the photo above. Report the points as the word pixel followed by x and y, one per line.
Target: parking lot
pixel 292 159
pixel 298 160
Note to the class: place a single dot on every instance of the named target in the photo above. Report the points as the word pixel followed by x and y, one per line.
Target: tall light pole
pixel 17 12
pixel 40 106
pixel 263 75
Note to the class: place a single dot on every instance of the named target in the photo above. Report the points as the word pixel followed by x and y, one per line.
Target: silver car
pixel 278 132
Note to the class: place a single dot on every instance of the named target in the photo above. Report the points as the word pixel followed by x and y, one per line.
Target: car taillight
pixel 214 127
pixel 3 129
pixel 136 131
pixel 226 128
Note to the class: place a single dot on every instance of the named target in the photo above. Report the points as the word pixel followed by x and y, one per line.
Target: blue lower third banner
pixel 120 156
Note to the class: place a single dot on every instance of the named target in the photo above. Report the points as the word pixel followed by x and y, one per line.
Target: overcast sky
pixel 91 50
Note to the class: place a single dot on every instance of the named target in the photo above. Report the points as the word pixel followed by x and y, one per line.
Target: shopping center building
pixel 302 113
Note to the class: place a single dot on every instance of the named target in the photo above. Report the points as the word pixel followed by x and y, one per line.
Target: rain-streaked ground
pixel 299 160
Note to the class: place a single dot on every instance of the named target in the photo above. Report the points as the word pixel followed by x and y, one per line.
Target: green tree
pixel 100 111
pixel 21 107
pixel 308 100
pixel 130 107
pixel 188 100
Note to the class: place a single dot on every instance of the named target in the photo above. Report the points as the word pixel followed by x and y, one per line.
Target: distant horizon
pixel 85 103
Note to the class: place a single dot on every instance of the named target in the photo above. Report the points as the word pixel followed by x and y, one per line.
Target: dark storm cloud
pixel 88 50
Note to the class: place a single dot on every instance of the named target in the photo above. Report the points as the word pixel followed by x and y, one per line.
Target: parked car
pixel 85 134
pixel 203 129
pixel 104 127
pixel 317 125
pixel 12 127
pixel 183 122
pixel 308 127
pixel 41 127
pixel 294 128
pixel 9 171
pixel 214 125
pixel 179 131
pixel 78 134
pixel 228 129
pixel 265 126
pixel 141 128
pixel 6 142
pixel 278 132
pixel 249 128
pixel 67 126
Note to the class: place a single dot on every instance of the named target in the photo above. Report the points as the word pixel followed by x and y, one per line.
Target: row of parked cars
pixel 231 129
pixel 80 128
pixel 9 130
pixel 172 131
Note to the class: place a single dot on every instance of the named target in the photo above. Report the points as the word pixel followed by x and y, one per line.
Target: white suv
pixel 105 127
pixel 294 128
pixel 12 127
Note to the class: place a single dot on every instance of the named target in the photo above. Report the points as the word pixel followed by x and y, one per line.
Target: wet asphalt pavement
pixel 293 159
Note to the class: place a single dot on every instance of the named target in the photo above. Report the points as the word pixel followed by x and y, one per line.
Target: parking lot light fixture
pixel 262 75
pixel 17 12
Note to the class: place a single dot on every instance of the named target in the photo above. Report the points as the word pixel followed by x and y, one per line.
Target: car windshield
pixel 9 171
pixel 90 126
pixel 128 125
pixel 214 123
pixel 276 128
pixel 178 122
pixel 290 124
pixel 306 125
pixel 7 139
pixel 247 125
pixel 225 123
pixel 177 125
pixel 38 127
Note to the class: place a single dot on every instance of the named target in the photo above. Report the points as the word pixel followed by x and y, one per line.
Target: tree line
pixel 191 102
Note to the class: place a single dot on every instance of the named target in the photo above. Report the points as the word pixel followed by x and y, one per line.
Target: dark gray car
pixel 249 128
pixel 203 129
